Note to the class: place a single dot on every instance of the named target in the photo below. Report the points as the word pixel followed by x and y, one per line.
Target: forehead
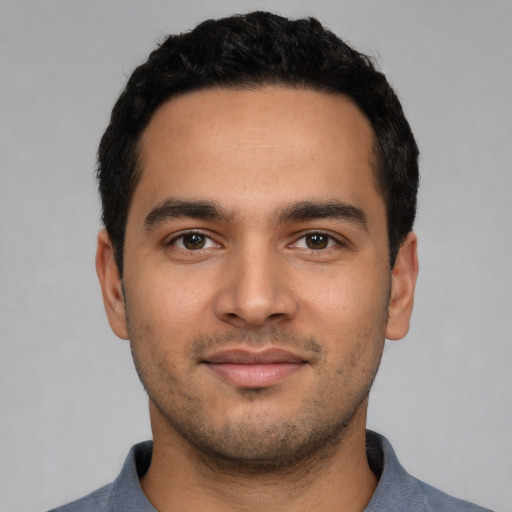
pixel 271 142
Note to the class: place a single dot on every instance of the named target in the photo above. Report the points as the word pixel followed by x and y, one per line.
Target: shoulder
pixel 125 493
pixel 433 499
pixel 94 502
pixel 399 491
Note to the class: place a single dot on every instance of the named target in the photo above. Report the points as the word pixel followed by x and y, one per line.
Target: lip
pixel 252 370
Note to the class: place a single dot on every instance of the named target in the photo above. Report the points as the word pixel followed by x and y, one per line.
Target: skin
pixel 252 278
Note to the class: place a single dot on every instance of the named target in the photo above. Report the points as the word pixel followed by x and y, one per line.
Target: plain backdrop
pixel 71 404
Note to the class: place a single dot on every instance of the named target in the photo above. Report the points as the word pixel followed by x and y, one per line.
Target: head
pixel 258 177
pixel 248 52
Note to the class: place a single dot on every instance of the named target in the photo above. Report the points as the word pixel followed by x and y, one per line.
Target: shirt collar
pixel 126 493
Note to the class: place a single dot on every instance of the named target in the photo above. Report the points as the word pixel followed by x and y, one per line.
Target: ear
pixel 403 282
pixel 111 286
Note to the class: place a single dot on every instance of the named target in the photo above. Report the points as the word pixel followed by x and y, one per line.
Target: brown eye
pixel 194 241
pixel 317 241
pixel 191 241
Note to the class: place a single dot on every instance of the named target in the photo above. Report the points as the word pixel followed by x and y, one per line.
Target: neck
pixel 336 478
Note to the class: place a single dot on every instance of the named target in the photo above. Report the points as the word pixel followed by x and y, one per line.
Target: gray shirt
pixel 397 491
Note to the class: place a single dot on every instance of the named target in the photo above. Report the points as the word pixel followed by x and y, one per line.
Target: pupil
pixel 194 241
pixel 317 241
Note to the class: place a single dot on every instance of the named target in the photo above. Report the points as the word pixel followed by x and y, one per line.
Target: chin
pixel 258 443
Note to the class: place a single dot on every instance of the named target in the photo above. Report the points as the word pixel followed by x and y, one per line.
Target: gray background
pixel 71 404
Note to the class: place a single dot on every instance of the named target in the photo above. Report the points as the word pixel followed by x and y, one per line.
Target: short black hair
pixel 247 51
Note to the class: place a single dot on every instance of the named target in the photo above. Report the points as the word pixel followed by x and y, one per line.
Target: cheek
pixel 340 303
pixel 170 302
pixel 350 318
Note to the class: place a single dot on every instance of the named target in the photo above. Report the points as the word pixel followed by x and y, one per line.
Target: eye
pixel 192 242
pixel 316 241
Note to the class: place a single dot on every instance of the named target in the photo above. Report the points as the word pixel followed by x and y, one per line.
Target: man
pixel 258 181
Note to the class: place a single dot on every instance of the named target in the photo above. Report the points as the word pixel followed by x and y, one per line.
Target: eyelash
pixel 182 236
pixel 330 239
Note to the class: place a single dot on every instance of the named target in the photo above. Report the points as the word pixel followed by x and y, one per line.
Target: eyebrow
pixel 301 211
pixel 311 210
pixel 179 208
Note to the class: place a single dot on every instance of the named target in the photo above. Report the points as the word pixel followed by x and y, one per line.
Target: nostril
pixel 243 301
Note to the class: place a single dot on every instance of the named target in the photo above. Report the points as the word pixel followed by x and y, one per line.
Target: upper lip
pixel 244 356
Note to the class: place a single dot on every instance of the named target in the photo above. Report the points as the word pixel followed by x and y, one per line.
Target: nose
pixel 255 291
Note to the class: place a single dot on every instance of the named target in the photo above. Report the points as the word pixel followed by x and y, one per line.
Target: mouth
pixel 252 370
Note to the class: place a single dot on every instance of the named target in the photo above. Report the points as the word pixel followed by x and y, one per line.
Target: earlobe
pixel 403 282
pixel 111 285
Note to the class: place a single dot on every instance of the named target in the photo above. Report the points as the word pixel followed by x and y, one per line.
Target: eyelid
pixel 337 238
pixel 171 241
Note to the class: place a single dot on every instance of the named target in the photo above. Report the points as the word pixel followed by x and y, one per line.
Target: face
pixel 257 288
